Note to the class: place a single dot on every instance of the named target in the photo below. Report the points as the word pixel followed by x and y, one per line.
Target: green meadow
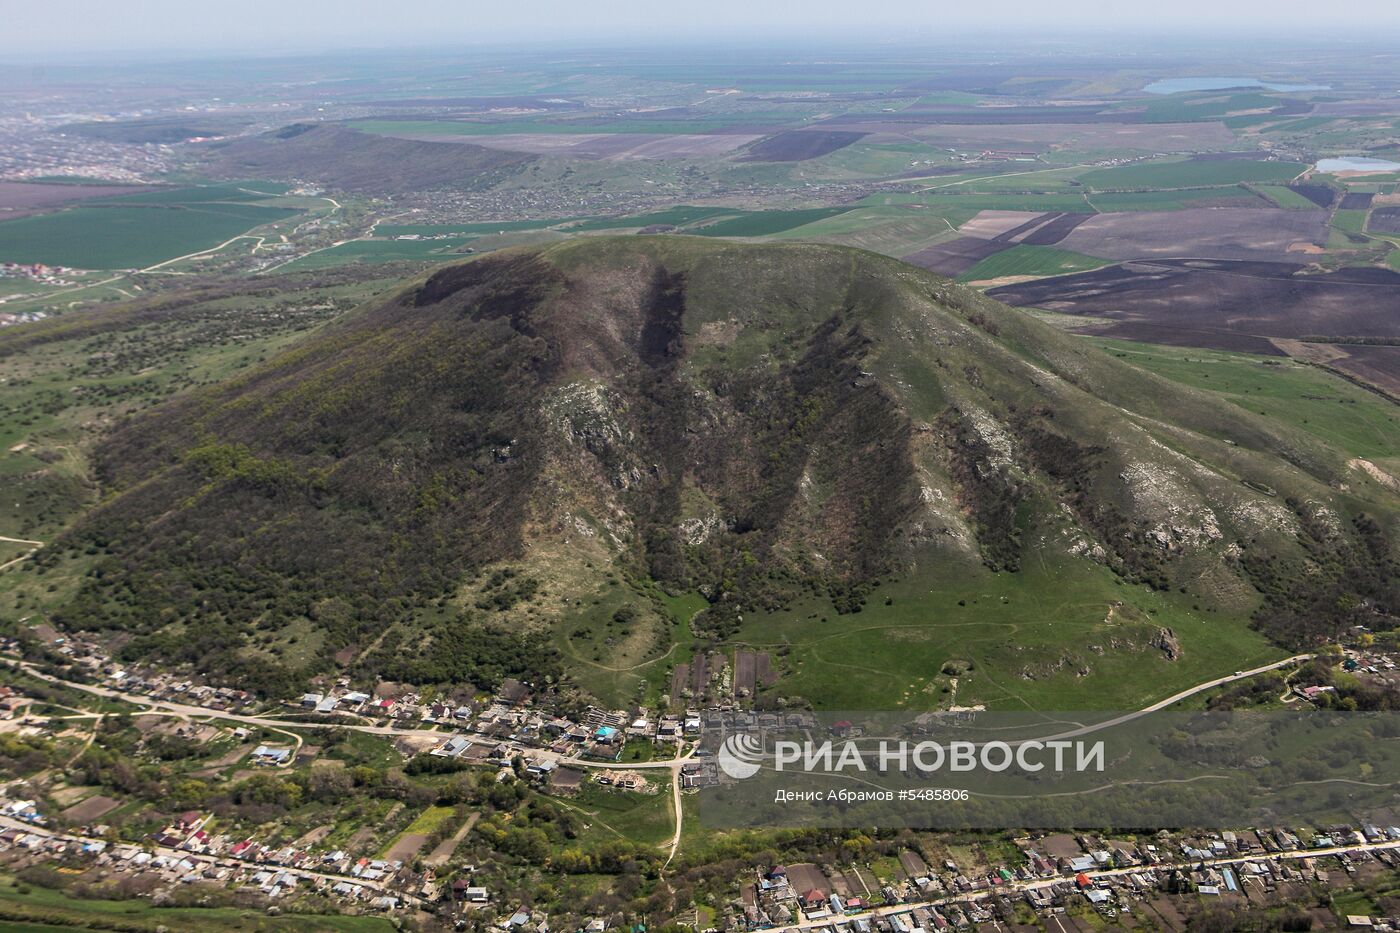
pixel 137 230
pixel 1190 173
pixel 1359 422
pixel 1048 637
pixel 1031 260
pixel 766 223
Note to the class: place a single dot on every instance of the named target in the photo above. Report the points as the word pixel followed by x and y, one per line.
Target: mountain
pixel 343 159
pixel 439 486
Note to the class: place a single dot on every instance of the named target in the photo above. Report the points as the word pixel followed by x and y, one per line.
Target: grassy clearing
pixel 1303 396
pixel 1026 640
pixel 1031 260
pixel 430 820
pixel 642 818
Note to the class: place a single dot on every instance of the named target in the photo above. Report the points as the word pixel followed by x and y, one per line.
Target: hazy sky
pixel 47 27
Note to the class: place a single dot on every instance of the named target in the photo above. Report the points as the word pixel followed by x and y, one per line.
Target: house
pixel 452 748
pixel 271 755
pixel 311 700
pixel 463 890
pixel 189 820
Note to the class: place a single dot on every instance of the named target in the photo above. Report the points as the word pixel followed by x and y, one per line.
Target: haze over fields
pixel 167 25
pixel 443 449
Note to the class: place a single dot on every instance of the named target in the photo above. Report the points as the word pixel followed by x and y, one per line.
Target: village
pixel 516 734
pixel 1059 875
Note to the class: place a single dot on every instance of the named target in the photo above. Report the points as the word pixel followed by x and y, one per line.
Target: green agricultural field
pixel 677 216
pixel 135 231
pixel 379 250
pixel 1207 105
pixel 1189 173
pixel 1350 221
pixel 767 223
pixel 200 194
pixel 1017 177
pixel 947 198
pixel 512 127
pixel 1031 260
pixel 477 228
pixel 894 231
pixel 1175 200
pixel 1306 397
pixel 1283 196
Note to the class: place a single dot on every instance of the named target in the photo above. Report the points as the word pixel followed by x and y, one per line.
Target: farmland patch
pixel 1025 260
pixel 1244 234
pixel 1224 305
pixel 956 256
pixel 1384 220
pixel 22 198
pixel 1189 173
pixel 800 145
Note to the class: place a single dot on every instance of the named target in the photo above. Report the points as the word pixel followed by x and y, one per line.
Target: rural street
pixel 331 877
pixel 1020 886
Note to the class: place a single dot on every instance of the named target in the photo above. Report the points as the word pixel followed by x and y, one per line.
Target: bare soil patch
pixel 800 145
pixel 1232 306
pixel 955 256
pixel 406 847
pixel 314 837
pixel 90 809
pixel 990 224
pixel 1384 220
pixel 22 198
pixel 1226 233
pixel 807 877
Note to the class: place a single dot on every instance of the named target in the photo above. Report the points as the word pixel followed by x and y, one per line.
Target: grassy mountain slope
pixel 495 465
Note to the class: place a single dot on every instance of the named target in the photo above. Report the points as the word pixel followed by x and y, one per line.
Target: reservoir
pixel 1357 164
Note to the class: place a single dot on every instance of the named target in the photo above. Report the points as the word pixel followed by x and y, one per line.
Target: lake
pixel 1357 164
pixel 1177 85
